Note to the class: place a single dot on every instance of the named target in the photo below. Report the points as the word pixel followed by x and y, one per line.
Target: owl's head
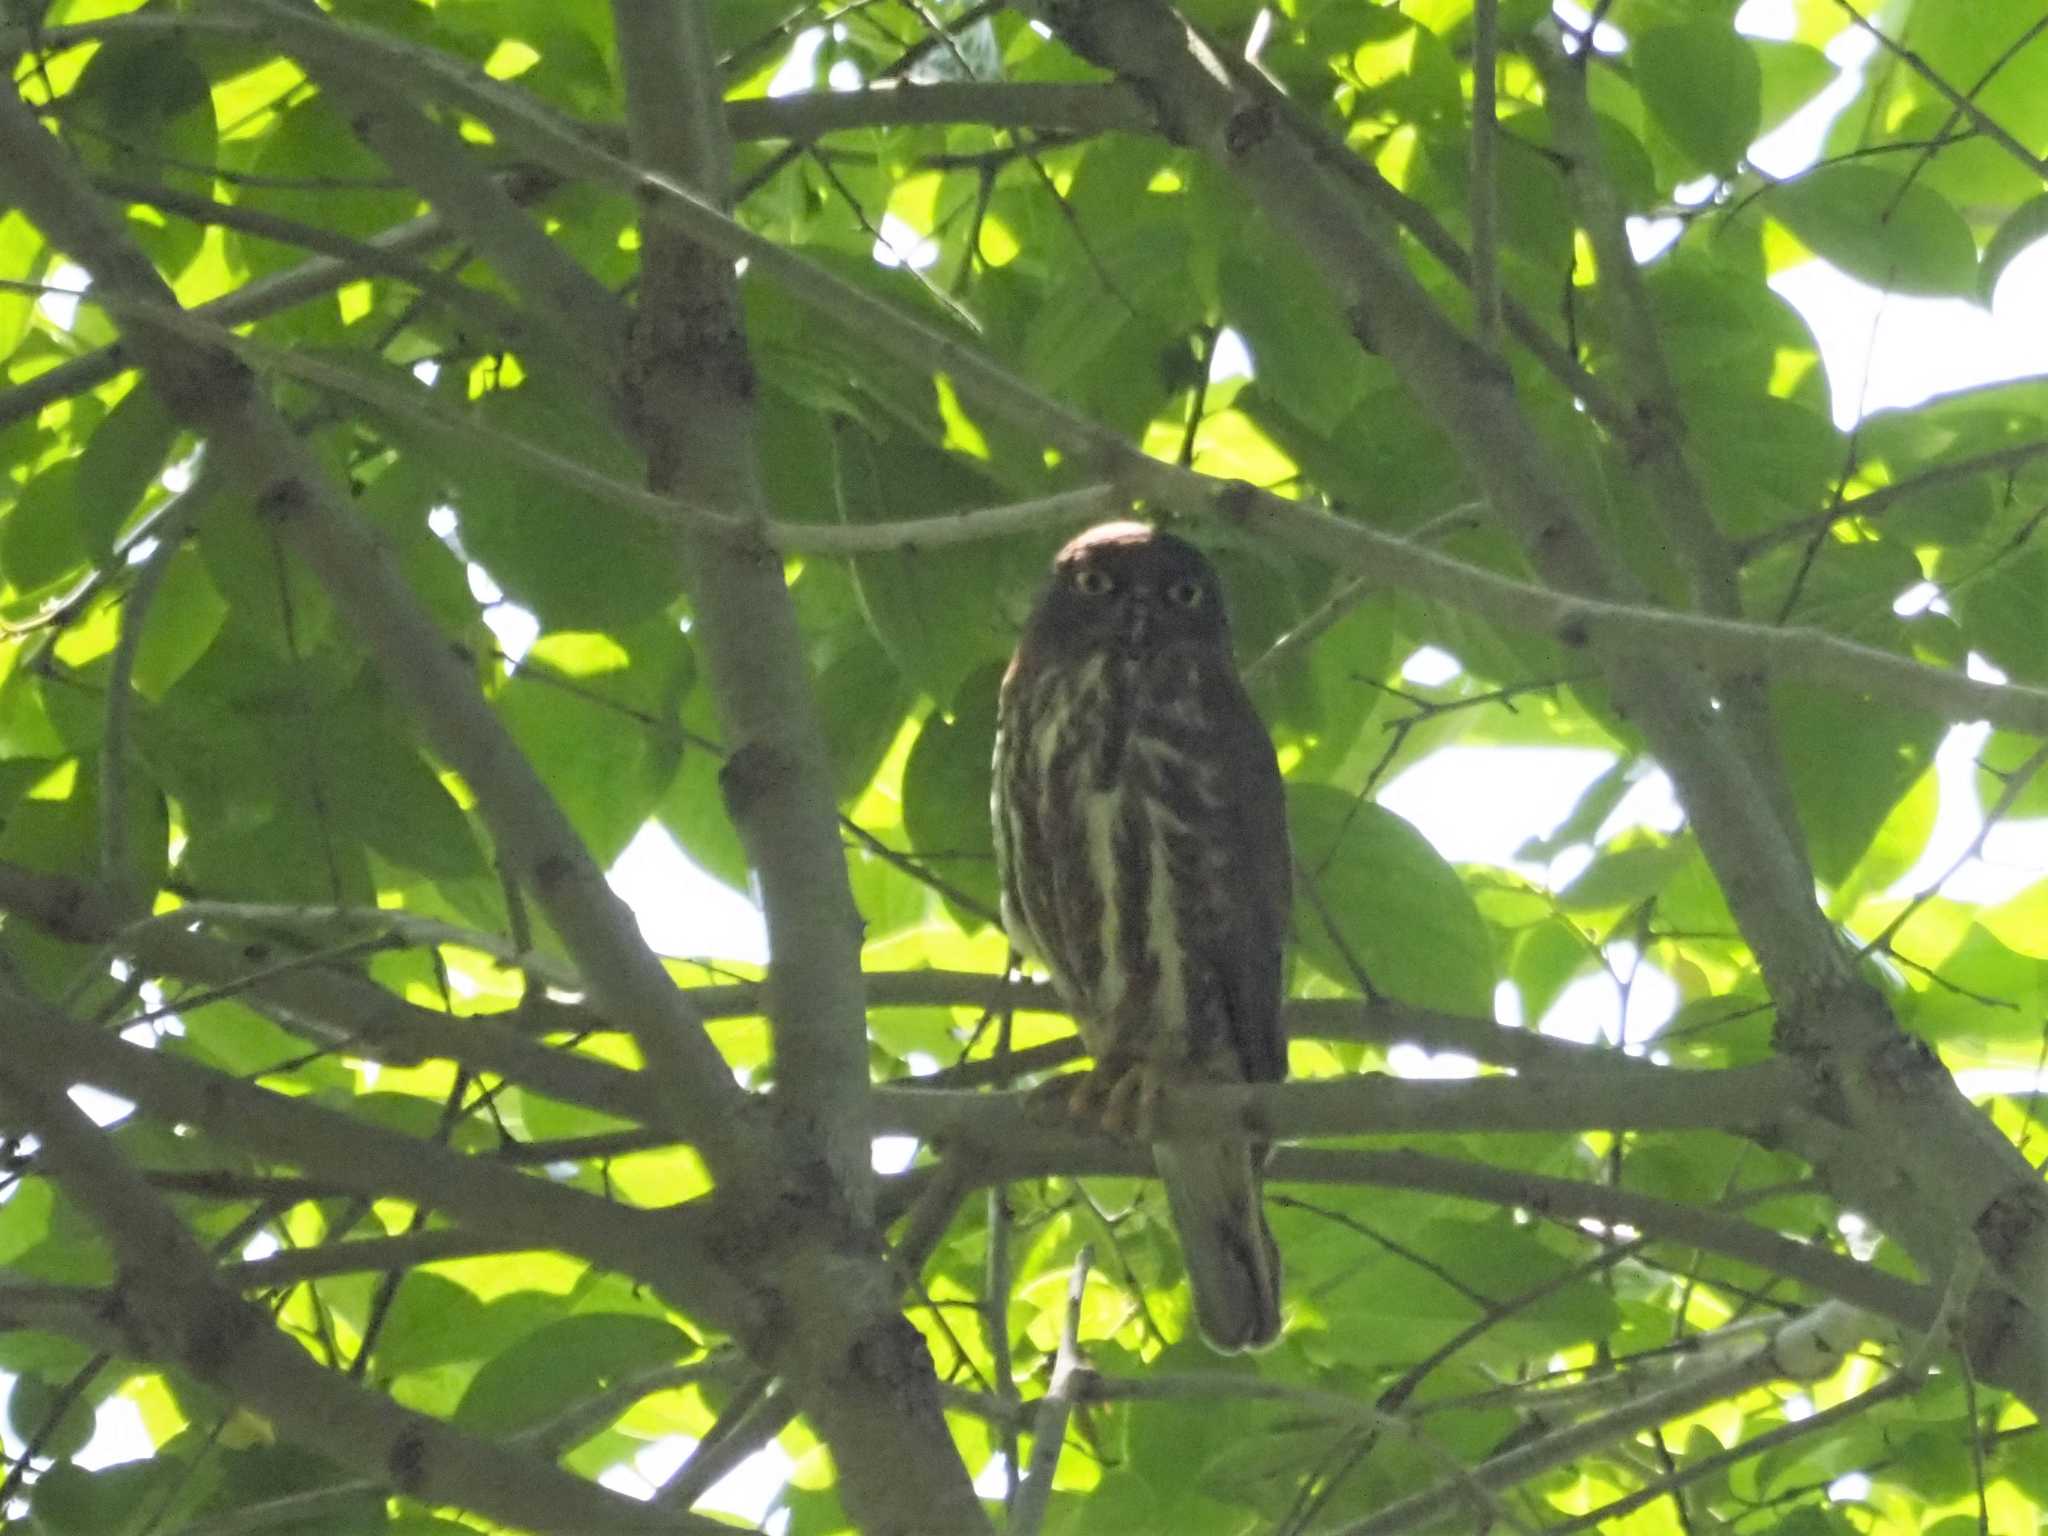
pixel 1129 588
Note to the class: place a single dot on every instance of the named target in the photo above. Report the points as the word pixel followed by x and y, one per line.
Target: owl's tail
pixel 1213 1191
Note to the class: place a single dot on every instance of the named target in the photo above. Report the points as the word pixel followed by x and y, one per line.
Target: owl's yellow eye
pixel 1185 594
pixel 1093 582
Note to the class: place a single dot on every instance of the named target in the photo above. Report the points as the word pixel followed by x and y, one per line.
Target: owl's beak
pixel 1136 628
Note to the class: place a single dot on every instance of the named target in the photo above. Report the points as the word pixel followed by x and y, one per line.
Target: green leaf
pixel 2000 758
pixel 2021 923
pixel 1935 1464
pixel 1624 877
pixel 28 740
pixel 1170 1440
pixel 70 1501
pixel 2022 227
pixel 312 167
pixel 290 856
pixel 563 1364
pixel 1820 728
pixel 928 607
pixel 236 1039
pixel 273 596
pixel 1089 314
pixel 1398 909
pixel 1765 461
pixel 24 1218
pixel 120 464
pixel 1289 318
pixel 2004 610
pixel 693 807
pixel 946 784
pixel 591 712
pixel 1548 957
pixel 39 1415
pixel 862 702
pixel 143 110
pixel 257 1475
pixel 1990 994
pixel 56 826
pixel 1704 87
pixel 1386 460
pixel 1876 226
pixel 396 804
pixel 41 541
pixel 1534 208
pixel 1405 69
pixel 431 1321
pixel 1793 74
pixel 1316 698
pixel 1900 839
pixel 22 254
pixel 577 561
pixel 183 620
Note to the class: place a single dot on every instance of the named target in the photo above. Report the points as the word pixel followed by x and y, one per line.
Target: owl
pixel 1141 842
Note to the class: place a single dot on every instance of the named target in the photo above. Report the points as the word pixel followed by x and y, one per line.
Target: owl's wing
pixel 1260 891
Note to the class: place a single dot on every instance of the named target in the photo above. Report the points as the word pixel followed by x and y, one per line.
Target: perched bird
pixel 1141 841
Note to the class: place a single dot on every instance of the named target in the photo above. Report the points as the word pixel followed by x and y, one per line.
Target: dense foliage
pixel 467 517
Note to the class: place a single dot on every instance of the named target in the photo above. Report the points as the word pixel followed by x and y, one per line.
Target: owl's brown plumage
pixel 1141 840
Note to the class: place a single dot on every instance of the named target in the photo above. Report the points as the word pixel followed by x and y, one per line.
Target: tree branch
pixel 1875 503
pixel 672 1249
pixel 690 396
pixel 1469 395
pixel 252 301
pixel 169 1305
pixel 1073 108
pixel 1658 444
pixel 1805 1348
pixel 1580 622
pixel 1070 1371
pixel 364 1255
pixel 342 1008
pixel 569 312
pixel 1565 1200
pixel 1378 1021
pixel 1921 1159
pixel 209 390
pixel 1740 1100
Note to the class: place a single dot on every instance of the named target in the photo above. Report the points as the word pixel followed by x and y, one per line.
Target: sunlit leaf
pixel 1388 905
pixel 1877 226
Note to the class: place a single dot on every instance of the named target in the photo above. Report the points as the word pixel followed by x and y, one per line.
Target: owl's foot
pixel 1120 1097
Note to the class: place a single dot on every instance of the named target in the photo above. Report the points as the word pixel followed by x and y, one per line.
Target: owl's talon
pixel 1052 1101
pixel 1132 1104
pixel 1095 1096
pixel 1117 1098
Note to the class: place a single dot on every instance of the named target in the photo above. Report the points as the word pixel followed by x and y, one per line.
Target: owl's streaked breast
pixel 1107 878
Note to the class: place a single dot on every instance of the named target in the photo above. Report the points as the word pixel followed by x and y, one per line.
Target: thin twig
pixel 1484 204
pixel 1710 1466
pixel 1049 1427
pixel 997 1280
pixel 757 1412
pixel 2015 785
pixel 116 846
pixel 1985 123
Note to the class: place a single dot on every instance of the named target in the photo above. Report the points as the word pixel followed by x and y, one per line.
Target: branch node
pixel 283 500
pixel 1248 127
pixel 407 1461
pixel 1358 318
pixel 758 772
pixel 2011 1223
pixel 551 871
